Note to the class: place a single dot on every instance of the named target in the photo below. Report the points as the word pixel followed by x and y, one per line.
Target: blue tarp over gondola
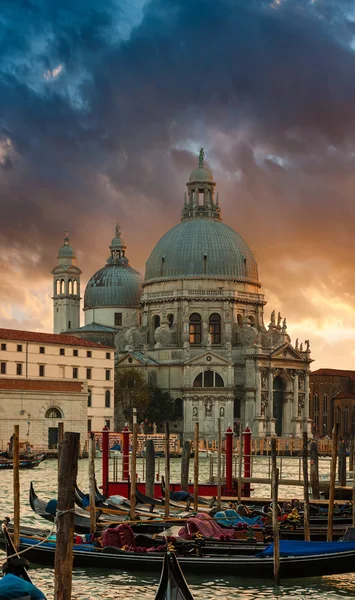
pixel 299 548
pixel 230 518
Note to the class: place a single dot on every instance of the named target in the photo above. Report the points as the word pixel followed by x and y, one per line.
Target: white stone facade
pixel 202 334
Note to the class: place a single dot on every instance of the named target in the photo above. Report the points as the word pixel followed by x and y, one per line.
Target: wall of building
pixel 96 370
pixel 106 316
pixel 28 406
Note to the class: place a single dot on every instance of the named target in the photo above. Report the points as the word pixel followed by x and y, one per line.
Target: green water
pixel 96 584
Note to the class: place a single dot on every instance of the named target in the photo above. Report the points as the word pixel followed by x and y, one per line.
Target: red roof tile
pixel 41 385
pixel 334 373
pixel 60 339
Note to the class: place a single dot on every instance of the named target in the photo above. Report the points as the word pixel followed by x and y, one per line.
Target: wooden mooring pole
pixel 196 466
pixel 353 489
pixel 275 513
pixel 219 465
pixel 150 468
pixel 16 474
pixel 307 533
pixel 333 466
pixel 240 463
pixel 92 482
pixel 132 511
pixel 185 464
pixel 167 469
pixel 314 470
pixel 63 562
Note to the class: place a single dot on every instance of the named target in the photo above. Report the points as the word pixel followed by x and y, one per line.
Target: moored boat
pixel 172 585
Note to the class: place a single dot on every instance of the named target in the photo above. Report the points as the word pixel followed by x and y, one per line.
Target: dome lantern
pixel 199 200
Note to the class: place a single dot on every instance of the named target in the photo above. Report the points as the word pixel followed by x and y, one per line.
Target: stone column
pixel 295 397
pixel 271 424
pixel 258 394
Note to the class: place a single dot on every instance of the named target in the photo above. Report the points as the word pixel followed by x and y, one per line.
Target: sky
pixel 104 107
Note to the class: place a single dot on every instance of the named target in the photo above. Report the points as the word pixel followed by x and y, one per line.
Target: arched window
pixel 171 320
pixel 75 287
pixel 54 413
pixel 89 397
pixel 107 399
pixel 195 329
pixel 178 408
pixel 57 286
pixel 325 414
pixel 215 328
pixel 208 379
pixel 251 320
pixel 240 320
pixel 70 287
pixel 156 322
pixel 62 286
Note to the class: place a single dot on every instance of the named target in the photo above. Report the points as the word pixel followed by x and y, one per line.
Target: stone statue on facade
pixel 201 158
pixel 279 319
pixel 284 326
pixel 272 319
pixel 296 344
pixel 208 409
pixel 155 428
pixel 301 347
pixel 186 312
pixel 221 411
pixel 195 412
pixel 307 345
pixel 209 341
pixel 186 351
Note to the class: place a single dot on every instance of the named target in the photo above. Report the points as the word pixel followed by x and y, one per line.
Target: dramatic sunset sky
pixel 104 106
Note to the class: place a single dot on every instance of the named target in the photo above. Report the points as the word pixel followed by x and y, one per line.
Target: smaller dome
pixel 114 285
pixel 201 174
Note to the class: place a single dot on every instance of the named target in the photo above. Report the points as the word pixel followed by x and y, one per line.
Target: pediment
pixel 208 358
pixel 287 352
pixel 135 359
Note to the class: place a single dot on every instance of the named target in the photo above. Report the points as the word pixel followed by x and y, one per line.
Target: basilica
pixel 194 324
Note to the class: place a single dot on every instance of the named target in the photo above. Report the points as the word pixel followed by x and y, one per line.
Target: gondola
pixel 15 569
pixel 40 507
pixel 296 561
pixel 172 585
pixel 26 463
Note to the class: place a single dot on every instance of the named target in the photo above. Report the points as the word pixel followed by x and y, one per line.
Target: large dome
pixel 113 285
pixel 202 247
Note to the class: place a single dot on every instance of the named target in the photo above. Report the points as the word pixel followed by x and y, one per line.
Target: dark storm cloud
pixel 103 106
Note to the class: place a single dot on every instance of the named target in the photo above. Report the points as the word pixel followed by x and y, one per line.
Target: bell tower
pixel 66 290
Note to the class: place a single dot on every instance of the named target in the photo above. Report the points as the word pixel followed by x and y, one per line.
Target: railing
pixel 211 293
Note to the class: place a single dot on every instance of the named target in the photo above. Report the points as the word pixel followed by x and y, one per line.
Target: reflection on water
pixel 98 584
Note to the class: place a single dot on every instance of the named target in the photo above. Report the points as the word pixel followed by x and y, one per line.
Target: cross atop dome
pixel 199 200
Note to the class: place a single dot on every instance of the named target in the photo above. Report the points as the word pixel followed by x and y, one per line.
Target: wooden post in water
pixel 351 453
pixel 132 511
pixel 307 534
pixel 314 474
pixel 353 491
pixel 16 476
pixel 167 469
pixel 150 468
pixel 185 464
pixel 275 514
pixel 63 563
pixel 196 466
pixel 240 463
pixel 219 464
pixel 333 466
pixel 342 464
pixel 92 482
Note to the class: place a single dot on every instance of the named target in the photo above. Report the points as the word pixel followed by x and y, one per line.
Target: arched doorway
pixel 278 389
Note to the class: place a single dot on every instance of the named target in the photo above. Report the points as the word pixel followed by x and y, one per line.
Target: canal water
pixel 98 584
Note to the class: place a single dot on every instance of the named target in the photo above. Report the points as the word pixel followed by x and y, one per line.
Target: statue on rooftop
pixel 201 158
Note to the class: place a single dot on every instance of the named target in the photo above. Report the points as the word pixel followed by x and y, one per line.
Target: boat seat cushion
pixel 12 586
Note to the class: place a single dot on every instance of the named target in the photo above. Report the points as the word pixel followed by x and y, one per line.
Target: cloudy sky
pixel 104 105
